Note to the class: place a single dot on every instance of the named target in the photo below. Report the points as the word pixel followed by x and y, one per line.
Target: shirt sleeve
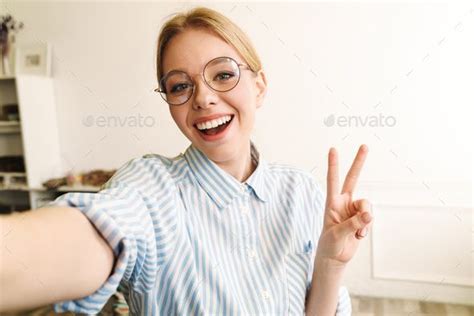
pixel 120 213
pixel 344 305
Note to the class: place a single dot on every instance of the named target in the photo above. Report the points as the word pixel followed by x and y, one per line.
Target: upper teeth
pixel 214 123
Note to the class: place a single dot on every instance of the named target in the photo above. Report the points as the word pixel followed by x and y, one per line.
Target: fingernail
pixel 363 232
pixel 366 217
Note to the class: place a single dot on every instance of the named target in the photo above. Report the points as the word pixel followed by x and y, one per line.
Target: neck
pixel 241 167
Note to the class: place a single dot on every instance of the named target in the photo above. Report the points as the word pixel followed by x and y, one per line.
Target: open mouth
pixel 215 130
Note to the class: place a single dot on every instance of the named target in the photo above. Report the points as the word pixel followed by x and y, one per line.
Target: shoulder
pixel 147 169
pixel 161 159
pixel 290 174
pixel 293 181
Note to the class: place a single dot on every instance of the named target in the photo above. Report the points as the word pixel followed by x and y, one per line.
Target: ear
pixel 261 85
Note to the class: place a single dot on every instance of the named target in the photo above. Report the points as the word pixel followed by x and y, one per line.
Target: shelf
pixel 6 173
pixel 68 188
pixel 10 127
pixel 13 181
pixel 64 188
pixel 35 136
pixel 7 77
pixel 14 188
pixel 78 188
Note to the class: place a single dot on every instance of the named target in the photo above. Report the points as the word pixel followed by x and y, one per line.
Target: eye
pixel 224 76
pixel 179 87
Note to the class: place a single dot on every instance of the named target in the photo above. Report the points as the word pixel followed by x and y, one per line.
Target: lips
pixel 210 117
pixel 217 133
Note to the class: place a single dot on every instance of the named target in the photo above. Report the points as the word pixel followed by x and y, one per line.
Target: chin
pixel 219 154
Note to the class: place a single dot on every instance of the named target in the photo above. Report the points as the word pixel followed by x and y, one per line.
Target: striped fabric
pixel 192 240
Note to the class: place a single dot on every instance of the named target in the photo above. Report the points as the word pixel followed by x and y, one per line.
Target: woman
pixel 216 230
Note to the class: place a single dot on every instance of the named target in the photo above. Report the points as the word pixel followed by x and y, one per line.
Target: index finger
pixel 333 173
pixel 354 171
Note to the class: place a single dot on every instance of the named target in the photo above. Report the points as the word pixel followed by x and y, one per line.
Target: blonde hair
pixel 211 20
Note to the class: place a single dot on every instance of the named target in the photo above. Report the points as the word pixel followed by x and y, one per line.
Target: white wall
pixel 412 62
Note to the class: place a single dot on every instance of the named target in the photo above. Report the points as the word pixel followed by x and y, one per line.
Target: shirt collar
pixel 221 186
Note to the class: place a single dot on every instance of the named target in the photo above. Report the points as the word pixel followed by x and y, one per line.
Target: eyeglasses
pixel 221 74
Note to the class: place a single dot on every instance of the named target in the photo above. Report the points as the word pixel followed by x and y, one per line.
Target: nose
pixel 204 97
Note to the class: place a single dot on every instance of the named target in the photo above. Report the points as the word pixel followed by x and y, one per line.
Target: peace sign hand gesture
pixel 345 221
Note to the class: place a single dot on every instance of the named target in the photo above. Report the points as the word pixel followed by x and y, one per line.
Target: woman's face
pixel 190 51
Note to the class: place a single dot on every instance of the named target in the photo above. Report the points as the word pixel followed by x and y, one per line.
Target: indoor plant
pixel 8 28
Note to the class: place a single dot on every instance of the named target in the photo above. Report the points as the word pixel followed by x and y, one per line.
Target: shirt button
pixel 245 210
pixel 252 253
pixel 265 294
pixel 243 189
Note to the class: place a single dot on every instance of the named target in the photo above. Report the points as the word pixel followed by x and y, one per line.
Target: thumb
pixel 356 222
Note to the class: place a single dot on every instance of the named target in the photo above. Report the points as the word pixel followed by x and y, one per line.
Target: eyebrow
pixel 173 70
pixel 180 69
pixel 176 69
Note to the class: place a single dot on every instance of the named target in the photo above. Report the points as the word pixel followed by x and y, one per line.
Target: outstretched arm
pixel 49 255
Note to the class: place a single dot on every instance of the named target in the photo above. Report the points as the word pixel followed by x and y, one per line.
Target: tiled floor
pixel 370 306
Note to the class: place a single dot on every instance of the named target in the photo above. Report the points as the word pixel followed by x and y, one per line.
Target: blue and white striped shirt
pixel 190 239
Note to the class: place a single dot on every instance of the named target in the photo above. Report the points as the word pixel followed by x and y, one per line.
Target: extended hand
pixel 345 220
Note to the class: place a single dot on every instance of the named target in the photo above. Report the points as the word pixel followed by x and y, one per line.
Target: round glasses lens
pixel 222 74
pixel 177 87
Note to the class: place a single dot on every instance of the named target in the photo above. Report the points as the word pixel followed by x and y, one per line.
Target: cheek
pixel 241 99
pixel 179 118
